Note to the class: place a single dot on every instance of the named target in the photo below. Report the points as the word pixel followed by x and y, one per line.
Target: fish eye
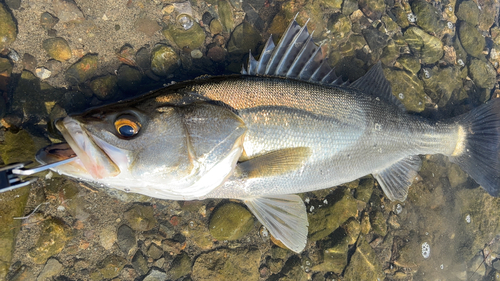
pixel 127 126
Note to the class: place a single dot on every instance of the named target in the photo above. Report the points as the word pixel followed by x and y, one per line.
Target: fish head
pixel 167 151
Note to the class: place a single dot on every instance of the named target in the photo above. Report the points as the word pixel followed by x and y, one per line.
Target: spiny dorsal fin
pixel 375 84
pixel 296 56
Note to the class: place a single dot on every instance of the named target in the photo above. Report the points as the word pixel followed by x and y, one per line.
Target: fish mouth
pixel 93 158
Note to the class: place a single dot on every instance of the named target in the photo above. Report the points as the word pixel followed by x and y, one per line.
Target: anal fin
pixel 396 179
pixel 284 216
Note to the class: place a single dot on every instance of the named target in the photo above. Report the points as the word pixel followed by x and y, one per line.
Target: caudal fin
pixel 480 154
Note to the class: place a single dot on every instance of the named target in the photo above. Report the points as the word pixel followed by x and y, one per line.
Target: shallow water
pixel 432 54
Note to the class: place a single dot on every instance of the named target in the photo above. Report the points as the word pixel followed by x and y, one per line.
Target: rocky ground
pixel 59 56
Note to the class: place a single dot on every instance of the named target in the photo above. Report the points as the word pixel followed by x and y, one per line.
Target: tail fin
pixel 480 156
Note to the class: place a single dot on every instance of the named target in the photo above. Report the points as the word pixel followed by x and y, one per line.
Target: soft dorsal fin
pixel 296 56
pixel 375 84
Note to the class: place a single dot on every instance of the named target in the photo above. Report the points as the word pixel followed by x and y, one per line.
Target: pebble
pixel 230 221
pixel 227 264
pixel 126 238
pixel 67 11
pixel 52 240
pixel 156 275
pixel 196 54
pixel 181 266
pixel 42 73
pixel 140 263
pixel 140 217
pixel 48 21
pixel 8 29
pixel 82 70
pixel 164 60
pixel 51 268
pixel 111 266
pixel 108 236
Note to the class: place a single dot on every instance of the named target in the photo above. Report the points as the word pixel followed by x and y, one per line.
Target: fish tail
pixel 478 153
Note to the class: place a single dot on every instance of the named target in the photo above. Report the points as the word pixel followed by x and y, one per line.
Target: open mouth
pixel 92 156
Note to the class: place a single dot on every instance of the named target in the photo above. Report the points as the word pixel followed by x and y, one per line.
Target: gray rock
pixel 156 275
pixel 154 251
pixel 140 263
pixel 67 11
pixel 472 40
pixel 126 238
pixel 227 264
pixel 51 268
pixel 482 73
pixel 141 217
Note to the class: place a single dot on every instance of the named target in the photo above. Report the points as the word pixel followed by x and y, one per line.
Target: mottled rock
pixel 140 263
pixel 42 73
pixel 147 26
pixel 230 221
pixel 51 268
pixel 407 88
pixel 352 229
pixel 141 217
pixel 227 265
pixel 339 25
pixel 192 38
pixel 488 14
pixel 164 60
pixel 244 37
pixel 376 40
pixel 8 28
pixel 156 275
pixel 409 63
pixel 349 6
pixel 226 15
pixel 111 266
pixel 215 27
pixel 328 218
pixel 442 83
pixel 365 189
pixel 401 16
pixel 108 236
pixel 364 264
pixel 52 240
pixel 427 47
pixel 335 253
pixel 428 17
pixel 216 53
pixel 125 238
pixel 181 266
pixel 82 70
pixel 154 251
pixel 378 223
pixel 390 53
pixel 482 73
pixel 67 11
pixel 469 12
pixel 47 20
pixel 104 87
pixel 472 40
pixel 456 175
pixel 373 9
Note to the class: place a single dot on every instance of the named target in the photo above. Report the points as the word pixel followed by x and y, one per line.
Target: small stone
pixel 407 88
pixel 48 21
pixel 226 15
pixel 147 26
pixel 196 54
pixel 154 251
pixel 108 237
pixel 472 40
pixel 378 222
pixel 82 70
pixel 104 87
pixel 482 73
pixel 128 80
pixel 207 18
pixel 51 268
pixel 230 221
pixel 111 266
pixel 349 6
pixel 164 60
pixel 42 73
pixel 8 29
pixel 156 275
pixel 215 27
pixel 52 240
pixel 409 63
pixel 339 25
pixel 141 217
pixel 443 82
pixel 216 53
pixel 428 17
pixel 353 229
pixel 227 264
pixel 365 189
pixel 140 263
pixel 126 238
pixel 364 264
pixel 427 47
pixel 373 9
pixel 469 12
pixel 181 266
pixel 192 38
pixel 67 11
pixel 376 40
pixel 244 38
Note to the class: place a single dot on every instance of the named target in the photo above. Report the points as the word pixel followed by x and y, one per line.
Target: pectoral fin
pixel 396 179
pixel 284 216
pixel 275 163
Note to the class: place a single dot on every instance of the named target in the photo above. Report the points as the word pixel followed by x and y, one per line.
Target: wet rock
pixel 8 28
pixel 352 229
pixel 216 53
pixel 376 40
pixel 401 16
pixel 469 12
pixel 339 25
pixel 128 79
pixel 156 275
pixel 427 47
pixel 390 53
pixel 335 253
pixel 409 63
pixel 82 70
pixel 181 266
pixel 293 270
pixel 42 73
pixel 244 37
pixel 428 17
pixel 349 6
pixel 215 27
pixel 196 54
pixel 164 60
pixel 378 223
pixel 472 40
pixel 48 21
pixel 23 273
pixel 104 87
pixel 226 15
pixel 227 264
pixel 5 74
pixel 482 73
pixel 441 83
pixel 13 203
pixel 477 267
pixel 154 251
pixel 111 266
pixel 141 217
pixel 67 11
pixel 407 88
pixel 51 268
pixel 373 9
pixel 140 263
pixel 328 218
pixel 192 38
pixel 230 221
pixel 147 26
pixel 365 189
pixel 364 264
pixel 456 175
pixel 108 236
pixel 488 13
pixel 52 240
pixel 125 238
pixel 18 147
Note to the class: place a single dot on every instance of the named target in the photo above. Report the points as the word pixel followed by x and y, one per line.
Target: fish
pixel 286 125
